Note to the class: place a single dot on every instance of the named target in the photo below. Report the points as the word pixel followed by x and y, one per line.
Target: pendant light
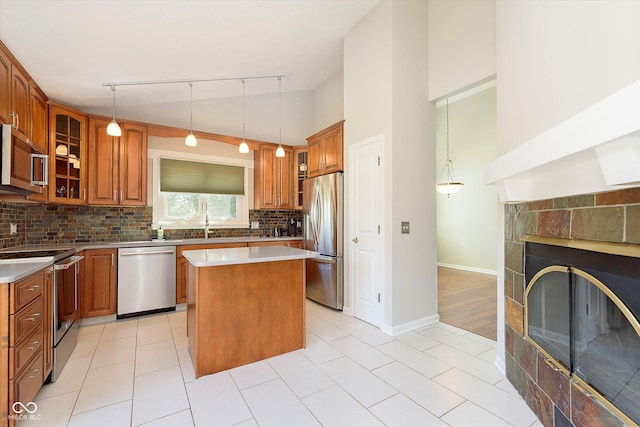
pixel 244 147
pixel 280 150
pixel 447 183
pixel 114 129
pixel 191 140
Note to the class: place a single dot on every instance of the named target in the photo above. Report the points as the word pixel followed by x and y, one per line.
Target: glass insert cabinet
pixel 69 146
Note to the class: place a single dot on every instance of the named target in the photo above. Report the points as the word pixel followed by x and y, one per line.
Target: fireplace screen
pixel 584 327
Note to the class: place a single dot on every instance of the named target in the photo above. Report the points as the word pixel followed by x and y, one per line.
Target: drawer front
pixel 25 321
pixel 26 385
pixel 20 355
pixel 26 290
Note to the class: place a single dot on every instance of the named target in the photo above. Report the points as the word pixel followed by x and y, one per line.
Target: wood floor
pixel 468 300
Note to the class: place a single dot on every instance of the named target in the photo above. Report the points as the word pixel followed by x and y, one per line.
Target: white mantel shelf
pixel 248 255
pixel 596 150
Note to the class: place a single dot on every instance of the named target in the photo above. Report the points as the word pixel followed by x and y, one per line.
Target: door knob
pixel 355 240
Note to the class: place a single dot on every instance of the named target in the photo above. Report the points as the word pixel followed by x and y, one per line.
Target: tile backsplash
pixel 51 224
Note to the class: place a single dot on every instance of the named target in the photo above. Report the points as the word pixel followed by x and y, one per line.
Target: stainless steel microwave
pixel 23 168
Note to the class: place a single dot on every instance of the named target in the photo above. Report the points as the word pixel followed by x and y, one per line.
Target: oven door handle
pixel 68 262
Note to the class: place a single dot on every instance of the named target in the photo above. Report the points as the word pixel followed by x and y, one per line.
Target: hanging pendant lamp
pixel 447 183
pixel 191 140
pixel 280 150
pixel 114 128
pixel 244 147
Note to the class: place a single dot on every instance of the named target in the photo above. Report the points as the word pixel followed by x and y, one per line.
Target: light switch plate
pixel 405 227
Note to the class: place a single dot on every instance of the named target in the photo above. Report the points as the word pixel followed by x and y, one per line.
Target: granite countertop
pixel 232 256
pixel 13 270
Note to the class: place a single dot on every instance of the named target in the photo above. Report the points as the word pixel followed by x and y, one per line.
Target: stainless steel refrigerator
pixel 323 227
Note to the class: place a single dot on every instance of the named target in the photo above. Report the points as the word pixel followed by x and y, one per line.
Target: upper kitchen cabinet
pixel 273 178
pixel 325 151
pixel 39 123
pixel 68 155
pixel 118 165
pixel 5 87
pixel 19 100
pixel 300 155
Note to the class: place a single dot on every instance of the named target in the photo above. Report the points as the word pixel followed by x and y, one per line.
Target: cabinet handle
pixel 112 260
pixel 17 121
pixel 33 318
pixel 115 197
pixel 85 193
pixel 35 372
pixel 33 288
pixel 34 345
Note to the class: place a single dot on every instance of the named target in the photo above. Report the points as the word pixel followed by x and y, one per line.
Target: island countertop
pixel 248 255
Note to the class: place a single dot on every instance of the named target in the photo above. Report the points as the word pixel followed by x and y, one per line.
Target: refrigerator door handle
pixel 325 259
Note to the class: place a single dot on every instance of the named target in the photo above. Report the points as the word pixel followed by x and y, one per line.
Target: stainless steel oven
pixel 65 311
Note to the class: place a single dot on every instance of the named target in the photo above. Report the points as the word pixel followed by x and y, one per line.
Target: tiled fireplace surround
pixel 612 217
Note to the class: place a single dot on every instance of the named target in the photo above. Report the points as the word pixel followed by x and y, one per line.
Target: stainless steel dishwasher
pixel 146 280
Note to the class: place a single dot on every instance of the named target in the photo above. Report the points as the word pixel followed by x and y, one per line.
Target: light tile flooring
pixel 138 372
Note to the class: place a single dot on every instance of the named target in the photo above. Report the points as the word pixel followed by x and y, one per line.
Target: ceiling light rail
pixel 190 81
pixel 191 141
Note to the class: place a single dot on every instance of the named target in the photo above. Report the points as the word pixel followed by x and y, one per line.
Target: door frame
pixel 380 140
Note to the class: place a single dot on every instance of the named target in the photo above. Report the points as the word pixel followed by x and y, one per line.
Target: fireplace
pixel 581 311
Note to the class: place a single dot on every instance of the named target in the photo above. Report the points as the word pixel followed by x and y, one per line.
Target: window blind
pixel 182 176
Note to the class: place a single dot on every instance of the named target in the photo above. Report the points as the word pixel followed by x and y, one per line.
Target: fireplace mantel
pixel 596 150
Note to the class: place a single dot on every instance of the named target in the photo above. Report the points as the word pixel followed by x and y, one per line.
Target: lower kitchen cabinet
pixel 182 265
pixel 98 296
pixel 22 322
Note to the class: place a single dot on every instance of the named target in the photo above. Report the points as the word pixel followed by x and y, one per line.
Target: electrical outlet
pixel 14 228
pixel 405 227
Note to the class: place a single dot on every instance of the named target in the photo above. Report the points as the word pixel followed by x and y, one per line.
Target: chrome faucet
pixel 206 226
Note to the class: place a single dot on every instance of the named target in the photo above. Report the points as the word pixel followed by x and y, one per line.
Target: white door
pixel 366 263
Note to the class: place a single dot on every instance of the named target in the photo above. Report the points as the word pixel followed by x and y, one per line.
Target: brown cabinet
pixel 47 322
pixel 20 100
pixel 118 165
pixel 22 324
pixel 67 155
pixel 5 88
pixel 301 160
pixel 99 285
pixel 273 179
pixel 295 244
pixel 182 265
pixel 39 123
pixel 326 150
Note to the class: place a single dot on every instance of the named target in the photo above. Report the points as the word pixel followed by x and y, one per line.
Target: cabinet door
pixel 5 88
pixel 267 184
pixel 20 100
pixel 67 156
pixel 301 164
pixel 39 120
pixel 133 165
pixel 99 292
pixel 103 169
pixel 284 180
pixel 315 156
pixel 181 280
pixel 333 156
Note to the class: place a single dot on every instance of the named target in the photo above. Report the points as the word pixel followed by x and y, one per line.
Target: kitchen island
pixel 244 305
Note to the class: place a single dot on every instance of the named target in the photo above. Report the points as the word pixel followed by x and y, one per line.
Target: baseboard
pixel 466 268
pixel 500 364
pixel 410 326
pixel 88 321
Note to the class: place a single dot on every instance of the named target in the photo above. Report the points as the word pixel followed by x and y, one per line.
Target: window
pixel 193 194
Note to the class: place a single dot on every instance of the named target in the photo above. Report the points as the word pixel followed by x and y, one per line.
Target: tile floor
pixel 138 372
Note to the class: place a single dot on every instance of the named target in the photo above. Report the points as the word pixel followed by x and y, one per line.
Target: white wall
pixel 367 112
pixel 385 92
pixel 462 36
pixel 467 220
pixel 328 102
pixel 556 58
